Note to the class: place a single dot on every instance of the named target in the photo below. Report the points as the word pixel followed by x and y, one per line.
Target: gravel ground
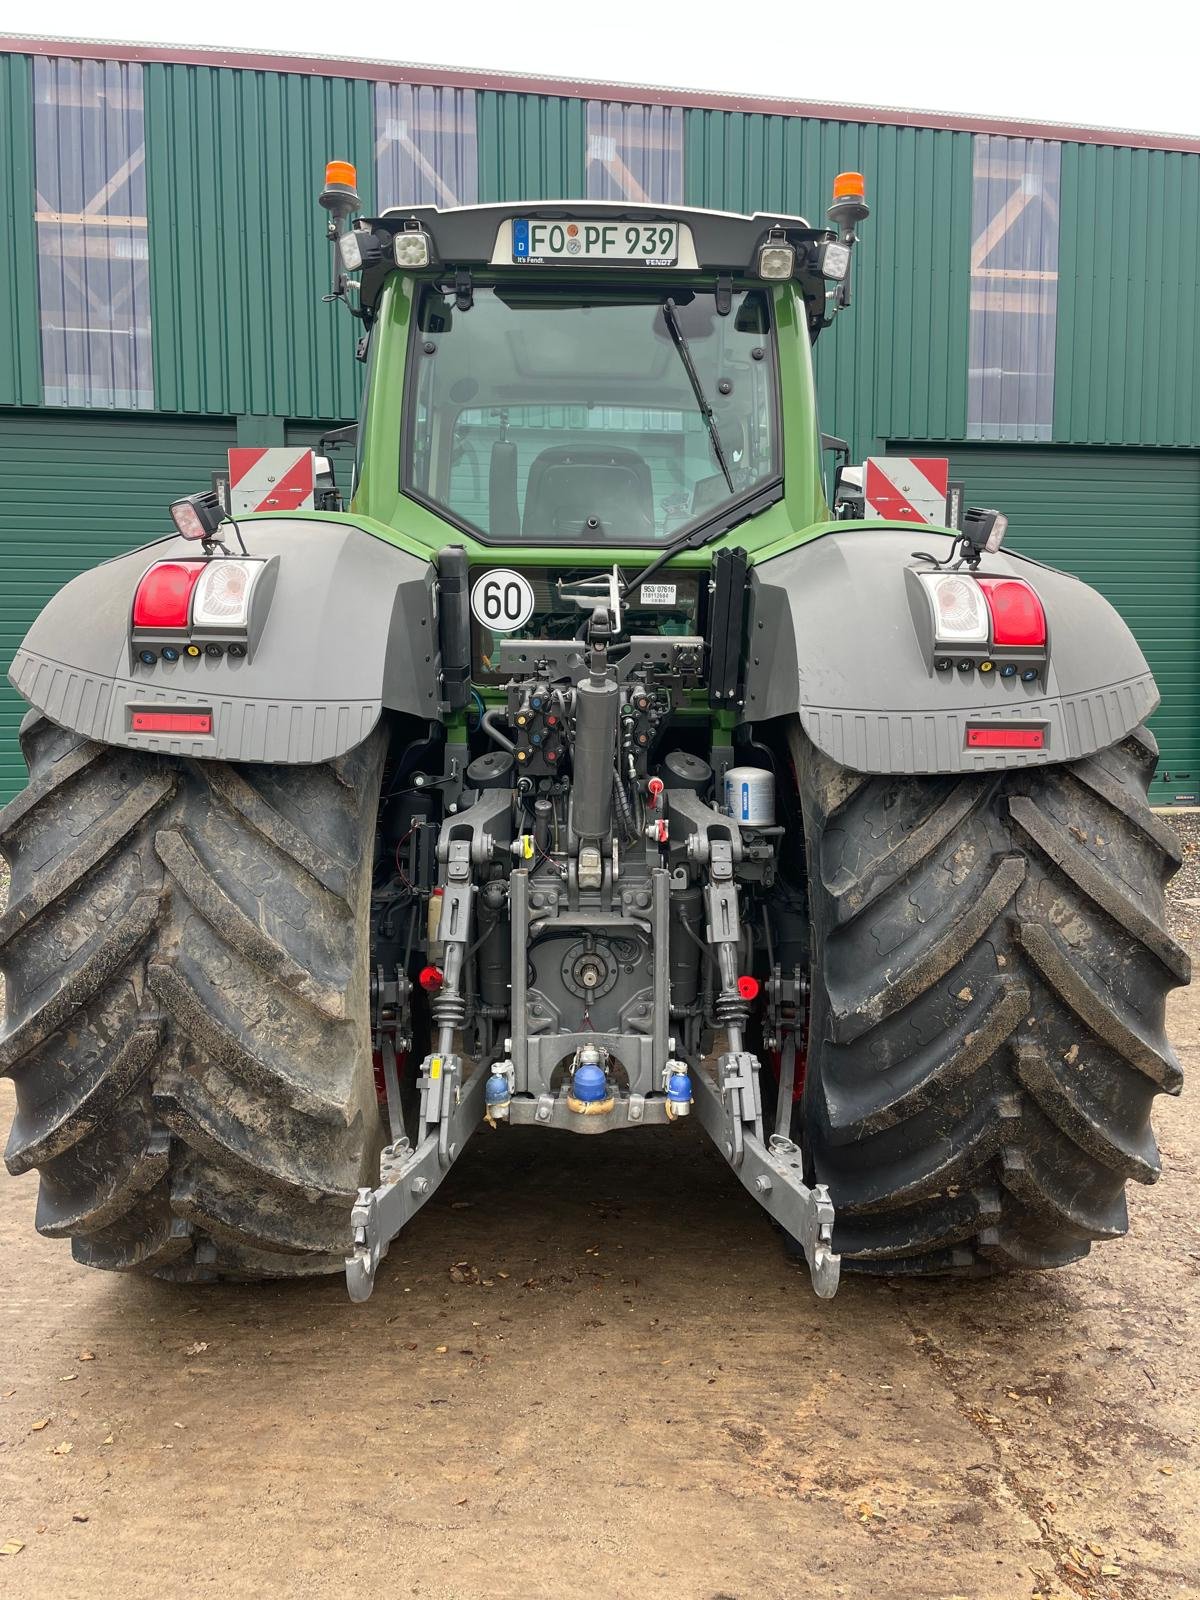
pixel 1183 894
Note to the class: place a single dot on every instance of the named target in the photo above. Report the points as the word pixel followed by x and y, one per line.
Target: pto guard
pixel 834 637
pixel 348 631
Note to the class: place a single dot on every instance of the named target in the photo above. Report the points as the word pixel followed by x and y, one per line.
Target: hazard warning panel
pixel 906 488
pixel 270 479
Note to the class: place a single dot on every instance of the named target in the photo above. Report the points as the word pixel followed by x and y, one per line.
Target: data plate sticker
pixel 502 600
pixel 658 594
pixel 642 244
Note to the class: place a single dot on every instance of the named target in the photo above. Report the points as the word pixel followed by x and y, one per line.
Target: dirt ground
pixel 634 1393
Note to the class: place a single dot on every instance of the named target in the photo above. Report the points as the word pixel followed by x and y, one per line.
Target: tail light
pixel 222 597
pixel 1017 615
pixel 163 598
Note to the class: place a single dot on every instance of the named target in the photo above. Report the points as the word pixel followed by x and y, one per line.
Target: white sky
pixel 1052 60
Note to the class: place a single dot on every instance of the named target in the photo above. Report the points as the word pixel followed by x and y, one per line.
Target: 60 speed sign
pixel 502 600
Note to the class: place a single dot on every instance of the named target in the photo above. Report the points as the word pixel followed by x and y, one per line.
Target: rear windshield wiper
pixel 671 318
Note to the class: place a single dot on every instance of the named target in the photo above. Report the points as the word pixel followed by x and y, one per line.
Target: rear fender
pixel 834 637
pixel 350 630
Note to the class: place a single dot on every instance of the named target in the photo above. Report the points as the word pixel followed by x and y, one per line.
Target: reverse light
pixel 163 597
pixel 412 249
pixel 960 615
pixel 1017 614
pixel 776 258
pixel 223 592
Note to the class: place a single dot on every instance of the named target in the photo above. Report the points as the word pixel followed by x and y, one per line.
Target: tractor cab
pixel 596 377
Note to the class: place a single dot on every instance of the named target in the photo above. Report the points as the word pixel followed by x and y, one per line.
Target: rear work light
pixel 1017 615
pixel 163 598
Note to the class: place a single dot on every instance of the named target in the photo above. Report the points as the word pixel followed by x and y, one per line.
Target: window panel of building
pixel 1014 288
pixel 634 152
pixel 425 146
pixel 93 250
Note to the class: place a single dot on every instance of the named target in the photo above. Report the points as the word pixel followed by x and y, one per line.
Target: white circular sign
pixel 502 600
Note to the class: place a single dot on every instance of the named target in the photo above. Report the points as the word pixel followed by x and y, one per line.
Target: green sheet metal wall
pixel 1127 522
pixel 531 147
pixel 1128 348
pixel 238 257
pixel 73 491
pixel 20 345
pixel 896 364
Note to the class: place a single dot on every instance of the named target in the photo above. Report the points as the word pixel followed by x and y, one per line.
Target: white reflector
pixel 222 595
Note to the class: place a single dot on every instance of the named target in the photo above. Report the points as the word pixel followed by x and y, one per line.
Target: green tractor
pixel 594 770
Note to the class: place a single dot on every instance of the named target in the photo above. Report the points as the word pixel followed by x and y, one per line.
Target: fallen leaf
pixel 503 1274
pixel 461 1272
pixel 198 1348
pixel 79 1516
pixel 460 1502
pixel 63 1449
pixel 70 1378
pixel 1108 1570
pixel 441 1349
pixel 488 1283
pixel 86 1355
pixel 109 1440
pixel 12 1548
pixel 9 1394
pixel 1166 1471
pixel 44 1422
pixel 1012 1394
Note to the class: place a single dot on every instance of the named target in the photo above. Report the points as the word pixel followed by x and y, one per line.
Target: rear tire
pixel 990 970
pixel 187 1009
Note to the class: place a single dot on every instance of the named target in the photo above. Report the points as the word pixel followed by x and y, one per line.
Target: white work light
pixel 411 248
pixel 197 516
pixel 833 260
pixel 776 258
pixel 358 249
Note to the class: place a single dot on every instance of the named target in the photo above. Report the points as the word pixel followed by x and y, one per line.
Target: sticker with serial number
pixel 658 594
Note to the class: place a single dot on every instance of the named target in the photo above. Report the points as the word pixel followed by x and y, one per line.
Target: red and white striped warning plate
pixel 906 488
pixel 270 479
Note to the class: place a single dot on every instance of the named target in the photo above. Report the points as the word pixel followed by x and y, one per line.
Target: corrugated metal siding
pixel 530 147
pixel 1128 349
pixel 896 363
pixel 426 151
pixel 634 152
pixel 20 349
pixel 1127 522
pixel 73 491
pixel 239 260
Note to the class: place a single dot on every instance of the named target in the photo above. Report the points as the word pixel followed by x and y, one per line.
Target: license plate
pixel 639 244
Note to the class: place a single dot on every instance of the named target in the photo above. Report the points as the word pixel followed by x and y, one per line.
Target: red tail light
pixel 164 595
pixel 1017 615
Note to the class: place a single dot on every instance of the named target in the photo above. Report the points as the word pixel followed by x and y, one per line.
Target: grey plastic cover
pixel 351 629
pixel 832 635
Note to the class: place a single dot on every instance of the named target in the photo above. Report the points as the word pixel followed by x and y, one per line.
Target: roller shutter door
pixel 75 490
pixel 1128 523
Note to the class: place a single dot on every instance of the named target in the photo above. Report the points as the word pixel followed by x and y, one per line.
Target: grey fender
pixel 350 629
pixel 834 637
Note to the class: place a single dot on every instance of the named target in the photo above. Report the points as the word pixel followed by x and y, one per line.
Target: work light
pixel 833 260
pixel 985 528
pixel 412 248
pixel 776 258
pixel 197 516
pixel 358 249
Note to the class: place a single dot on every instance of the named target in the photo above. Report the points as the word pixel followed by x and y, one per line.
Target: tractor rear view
pixel 591 772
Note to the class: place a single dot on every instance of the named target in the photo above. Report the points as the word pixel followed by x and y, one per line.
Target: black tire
pixel 186 1019
pixel 990 970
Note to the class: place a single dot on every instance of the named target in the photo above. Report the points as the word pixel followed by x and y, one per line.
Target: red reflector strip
pixel 170 721
pixel 1006 738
